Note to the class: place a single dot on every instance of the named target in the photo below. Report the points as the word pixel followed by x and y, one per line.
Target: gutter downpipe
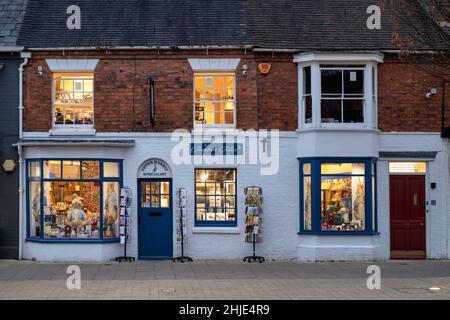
pixel 25 56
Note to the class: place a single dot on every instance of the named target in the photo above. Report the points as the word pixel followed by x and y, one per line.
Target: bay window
pixel 337 196
pixel 73 199
pixel 338 90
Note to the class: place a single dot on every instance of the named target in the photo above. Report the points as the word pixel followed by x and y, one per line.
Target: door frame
pixel 171 202
pixel 426 207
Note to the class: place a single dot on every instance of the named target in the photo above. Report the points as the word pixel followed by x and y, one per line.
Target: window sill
pixel 217 230
pixel 61 240
pixel 70 131
pixel 340 233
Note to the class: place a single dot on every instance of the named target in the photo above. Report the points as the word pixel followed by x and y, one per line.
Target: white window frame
pixel 216 74
pixel 207 65
pixel 315 60
pixel 342 96
pixel 66 126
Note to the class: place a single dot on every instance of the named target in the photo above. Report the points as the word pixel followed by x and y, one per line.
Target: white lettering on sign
pixel 154 168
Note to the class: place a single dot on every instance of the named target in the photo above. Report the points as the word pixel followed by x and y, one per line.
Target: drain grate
pixel 168 291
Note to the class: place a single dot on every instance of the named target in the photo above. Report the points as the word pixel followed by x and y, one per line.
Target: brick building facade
pixel 338 135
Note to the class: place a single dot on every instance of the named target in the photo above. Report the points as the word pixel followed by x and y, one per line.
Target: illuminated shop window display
pixel 338 196
pixel 215 197
pixel 73 199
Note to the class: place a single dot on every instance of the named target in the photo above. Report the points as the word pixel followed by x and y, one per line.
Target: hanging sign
pixel 9 165
pixel 154 168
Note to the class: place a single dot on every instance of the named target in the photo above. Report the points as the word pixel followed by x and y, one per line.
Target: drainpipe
pixel 21 193
pixel 25 56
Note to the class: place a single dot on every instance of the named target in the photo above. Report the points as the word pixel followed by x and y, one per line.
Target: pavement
pixel 223 280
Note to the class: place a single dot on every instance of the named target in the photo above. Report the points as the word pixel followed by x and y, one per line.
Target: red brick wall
pixel 263 101
pixel 121 94
pixel 402 104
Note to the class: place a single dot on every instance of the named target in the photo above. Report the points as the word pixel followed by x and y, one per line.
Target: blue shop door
pixel 155 219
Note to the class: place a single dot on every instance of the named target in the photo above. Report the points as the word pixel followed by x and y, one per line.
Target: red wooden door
pixel 407 208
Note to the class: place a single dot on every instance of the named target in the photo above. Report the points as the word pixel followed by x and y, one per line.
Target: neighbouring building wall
pixel 402 104
pixel 9 182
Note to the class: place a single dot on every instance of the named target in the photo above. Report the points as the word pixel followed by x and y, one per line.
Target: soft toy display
pixel 76 217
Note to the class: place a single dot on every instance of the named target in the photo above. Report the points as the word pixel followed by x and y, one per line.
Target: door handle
pixel 421 224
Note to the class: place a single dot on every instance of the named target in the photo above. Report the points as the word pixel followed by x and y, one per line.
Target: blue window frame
pixel 215 197
pixel 73 200
pixel 338 196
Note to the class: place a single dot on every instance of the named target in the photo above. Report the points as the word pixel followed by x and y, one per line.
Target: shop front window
pixel 344 202
pixel 72 201
pixel 215 197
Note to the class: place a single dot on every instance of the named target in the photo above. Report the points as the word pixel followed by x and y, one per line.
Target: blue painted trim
pixel 61 240
pixel 216 223
pixel 316 201
pixel 140 209
pixel 41 179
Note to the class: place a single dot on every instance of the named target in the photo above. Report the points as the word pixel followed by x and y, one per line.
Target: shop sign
pixel 216 149
pixel 154 168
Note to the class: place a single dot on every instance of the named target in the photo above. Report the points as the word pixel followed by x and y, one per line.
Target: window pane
pixel 154 188
pixel 307 203
pixel 35 208
pixel 342 204
pixel 331 111
pixel 71 169
pixel 111 169
pixel 34 170
pixel 111 209
pixel 353 111
pixel 407 167
pixel 52 169
pixel 307 80
pixel 165 201
pixel 343 168
pixel 307 168
pixel 354 82
pixel 307 103
pixel 165 189
pixel 331 81
pixel 71 209
pixel 91 169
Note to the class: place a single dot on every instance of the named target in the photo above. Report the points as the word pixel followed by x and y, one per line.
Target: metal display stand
pixel 181 258
pixel 125 226
pixel 254 257
pixel 253 202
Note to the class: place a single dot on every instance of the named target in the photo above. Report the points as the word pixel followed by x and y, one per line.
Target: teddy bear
pixel 76 216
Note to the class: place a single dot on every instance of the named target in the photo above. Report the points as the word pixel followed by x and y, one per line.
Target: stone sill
pixel 217 230
pixel 72 131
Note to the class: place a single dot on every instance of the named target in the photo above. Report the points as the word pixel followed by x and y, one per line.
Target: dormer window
pixel 338 91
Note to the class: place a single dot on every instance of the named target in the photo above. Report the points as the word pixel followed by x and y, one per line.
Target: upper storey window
pixel 338 91
pixel 342 94
pixel 73 102
pixel 72 96
pixel 214 99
